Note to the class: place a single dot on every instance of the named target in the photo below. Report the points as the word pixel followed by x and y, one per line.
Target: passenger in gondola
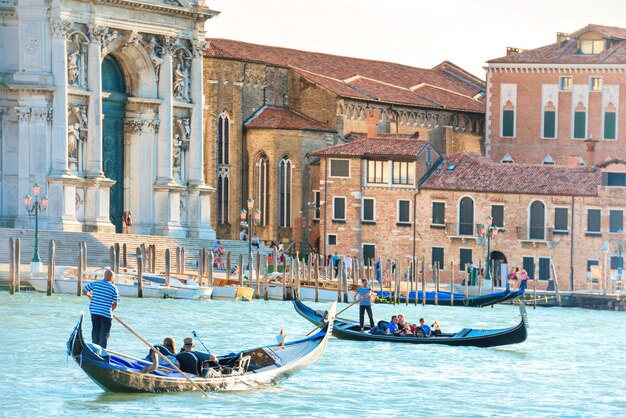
pixel 392 328
pixel 404 327
pixel 425 328
pixel 192 361
pixel 168 349
pixel 435 329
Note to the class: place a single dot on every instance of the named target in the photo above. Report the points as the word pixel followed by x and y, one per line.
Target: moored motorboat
pixel 185 285
pixel 246 369
pixel 475 337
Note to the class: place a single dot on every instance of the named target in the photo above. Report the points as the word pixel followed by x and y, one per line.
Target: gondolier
pixel 104 299
pixel 364 296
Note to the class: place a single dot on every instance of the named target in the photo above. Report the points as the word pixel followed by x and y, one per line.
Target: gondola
pixel 445 298
pixel 247 369
pixel 350 330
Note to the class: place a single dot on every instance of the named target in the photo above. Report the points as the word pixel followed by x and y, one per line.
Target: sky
pixel 413 32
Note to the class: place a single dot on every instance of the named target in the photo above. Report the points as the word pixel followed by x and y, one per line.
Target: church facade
pixel 102 104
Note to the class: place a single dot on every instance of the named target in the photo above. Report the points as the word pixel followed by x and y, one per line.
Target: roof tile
pixel 388 146
pixel 281 118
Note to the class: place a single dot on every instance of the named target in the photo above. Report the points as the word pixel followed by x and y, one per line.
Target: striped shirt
pixel 104 295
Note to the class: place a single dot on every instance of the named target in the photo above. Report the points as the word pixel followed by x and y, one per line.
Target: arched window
pixel 466 216
pixel 223 135
pixel 262 167
pixel 223 192
pixel 537 221
pixel 284 192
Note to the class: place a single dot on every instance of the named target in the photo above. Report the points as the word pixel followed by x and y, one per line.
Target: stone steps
pixel 98 245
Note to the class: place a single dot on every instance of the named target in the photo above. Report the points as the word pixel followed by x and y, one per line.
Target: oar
pixel 336 315
pixel 158 353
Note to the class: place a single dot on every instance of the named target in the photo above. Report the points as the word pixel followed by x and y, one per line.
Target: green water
pixel 573 363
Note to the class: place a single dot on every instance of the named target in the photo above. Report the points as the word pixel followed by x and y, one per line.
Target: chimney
pixel 371 121
pixel 591 151
pixel 512 51
pixel 574 161
pixel 561 37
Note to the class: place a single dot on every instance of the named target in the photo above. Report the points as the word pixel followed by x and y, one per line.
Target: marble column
pixel 93 157
pixel 196 154
pixel 59 30
pixel 166 112
pixel 23 167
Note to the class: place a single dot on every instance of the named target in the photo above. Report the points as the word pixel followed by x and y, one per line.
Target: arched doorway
pixel 537 220
pixel 466 216
pixel 113 108
pixel 499 267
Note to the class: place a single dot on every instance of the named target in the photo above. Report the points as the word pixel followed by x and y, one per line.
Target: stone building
pixel 102 103
pixel 266 100
pixel 548 104
pixel 544 213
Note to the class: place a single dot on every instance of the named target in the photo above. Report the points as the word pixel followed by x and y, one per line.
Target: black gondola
pixel 350 330
pixel 261 366
pixel 445 298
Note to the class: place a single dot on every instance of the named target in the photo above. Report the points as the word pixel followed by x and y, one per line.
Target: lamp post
pixel 36 207
pixel 489 231
pixel 249 218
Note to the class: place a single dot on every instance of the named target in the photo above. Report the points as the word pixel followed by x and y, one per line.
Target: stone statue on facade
pixel 77 60
pixel 151 48
pixel 180 79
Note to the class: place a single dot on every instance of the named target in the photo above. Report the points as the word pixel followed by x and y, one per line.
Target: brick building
pixel 272 107
pixel 545 213
pixel 547 105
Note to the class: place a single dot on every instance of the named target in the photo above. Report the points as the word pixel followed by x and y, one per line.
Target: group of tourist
pixel 399 326
pixel 187 359
pixel 256 241
pixel 334 261
pixel 516 277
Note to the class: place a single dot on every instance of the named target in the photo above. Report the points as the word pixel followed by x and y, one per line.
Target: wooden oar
pixel 336 315
pixel 158 353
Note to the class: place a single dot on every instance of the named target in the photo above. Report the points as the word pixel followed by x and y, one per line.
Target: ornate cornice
pixel 198 48
pixel 199 13
pixel 60 28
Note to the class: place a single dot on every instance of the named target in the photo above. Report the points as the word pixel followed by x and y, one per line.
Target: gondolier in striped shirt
pixel 104 299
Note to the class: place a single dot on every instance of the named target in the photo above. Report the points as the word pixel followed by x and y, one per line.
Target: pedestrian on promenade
pixel 347 263
pixel 104 299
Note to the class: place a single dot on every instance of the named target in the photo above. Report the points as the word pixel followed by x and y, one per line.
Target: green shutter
pixel 549 124
pixel 508 122
pixel 579 124
pixel 609 125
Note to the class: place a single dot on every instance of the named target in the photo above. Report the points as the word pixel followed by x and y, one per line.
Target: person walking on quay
pixel 104 299
pixel 347 263
pixel 363 295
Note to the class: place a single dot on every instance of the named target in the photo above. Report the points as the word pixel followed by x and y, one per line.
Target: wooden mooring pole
pixel 51 254
pixel 140 263
pixel 18 264
pixel 79 274
pixel 167 267
pixel 451 283
pixel 11 266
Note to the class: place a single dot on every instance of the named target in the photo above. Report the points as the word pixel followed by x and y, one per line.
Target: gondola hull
pixel 350 330
pixel 268 366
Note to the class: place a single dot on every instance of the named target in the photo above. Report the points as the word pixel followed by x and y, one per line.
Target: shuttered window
pixel 439 210
pixel 437 257
pixel 593 220
pixel 580 125
pixel 549 124
pixel 339 208
pixel 616 221
pixel 609 125
pixel 404 211
pixel 497 216
pixel 560 220
pixel 528 263
pixel 465 256
pixel 368 210
pixel 508 123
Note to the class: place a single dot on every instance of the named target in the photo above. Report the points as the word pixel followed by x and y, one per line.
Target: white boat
pixel 224 288
pixel 324 295
pixel 185 285
pixel 66 282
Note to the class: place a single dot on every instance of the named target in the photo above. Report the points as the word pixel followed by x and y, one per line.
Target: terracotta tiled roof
pixel 281 118
pixel 366 79
pixel 566 52
pixel 388 146
pixel 473 173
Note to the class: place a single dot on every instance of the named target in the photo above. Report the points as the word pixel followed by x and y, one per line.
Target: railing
pixel 534 233
pixel 462 229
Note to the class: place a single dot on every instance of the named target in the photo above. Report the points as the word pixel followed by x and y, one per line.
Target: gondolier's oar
pixel 336 315
pixel 159 354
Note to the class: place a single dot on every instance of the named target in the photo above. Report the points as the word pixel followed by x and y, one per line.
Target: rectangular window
pixel 339 208
pixel 465 257
pixel 616 263
pixel 549 124
pixel 439 213
pixel 508 123
pixel 616 221
pixel 404 211
pixel 332 239
pixel 593 220
pixel 610 123
pixel 369 253
pixel 591 46
pixel 544 268
pixel 565 83
pixel 437 257
pixel 614 179
pixel 378 172
pixel 561 220
pixel 528 264
pixel 591 263
pixel 317 202
pixel 580 125
pixel 595 83
pixel 340 168
pixel 403 172
pixel 368 209
pixel 497 216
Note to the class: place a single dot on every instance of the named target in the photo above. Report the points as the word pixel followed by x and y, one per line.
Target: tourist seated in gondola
pixel 195 362
pixel 404 328
pixel 425 328
pixel 168 349
pixel 392 328
pixel 435 329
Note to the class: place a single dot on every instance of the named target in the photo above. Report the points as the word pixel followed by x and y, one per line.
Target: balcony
pixel 534 235
pixel 462 231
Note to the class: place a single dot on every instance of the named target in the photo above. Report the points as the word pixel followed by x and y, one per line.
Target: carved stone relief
pixel 76 137
pixel 180 146
pixel 59 28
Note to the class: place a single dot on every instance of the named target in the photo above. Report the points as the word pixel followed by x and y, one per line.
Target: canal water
pixel 573 363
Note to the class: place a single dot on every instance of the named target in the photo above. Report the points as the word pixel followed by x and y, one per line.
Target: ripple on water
pixel 573 363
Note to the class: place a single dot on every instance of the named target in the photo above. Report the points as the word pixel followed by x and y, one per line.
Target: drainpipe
pixel 360 236
pixel 244 144
pixel 325 203
pixel 571 251
pixel 414 268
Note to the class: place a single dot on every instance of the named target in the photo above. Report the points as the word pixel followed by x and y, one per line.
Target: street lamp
pixel 249 218
pixel 37 207
pixel 489 231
